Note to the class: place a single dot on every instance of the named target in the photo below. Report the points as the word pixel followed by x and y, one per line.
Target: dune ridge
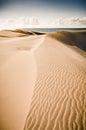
pixel 50 73
pixel 18 33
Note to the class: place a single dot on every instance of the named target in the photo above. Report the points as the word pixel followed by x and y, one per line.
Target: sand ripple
pixel 60 92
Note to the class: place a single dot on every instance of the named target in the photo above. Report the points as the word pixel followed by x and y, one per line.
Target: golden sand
pixel 42 81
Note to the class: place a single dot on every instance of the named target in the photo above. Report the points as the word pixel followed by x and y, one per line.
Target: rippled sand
pixel 52 70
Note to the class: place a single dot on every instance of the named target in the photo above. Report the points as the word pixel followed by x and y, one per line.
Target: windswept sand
pixel 51 71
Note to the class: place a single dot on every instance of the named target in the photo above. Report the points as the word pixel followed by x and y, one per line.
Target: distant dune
pixel 74 38
pixel 42 80
pixel 17 33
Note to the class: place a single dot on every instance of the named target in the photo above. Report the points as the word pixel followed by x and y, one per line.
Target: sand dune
pixel 73 38
pixel 49 71
pixel 59 97
pixel 17 33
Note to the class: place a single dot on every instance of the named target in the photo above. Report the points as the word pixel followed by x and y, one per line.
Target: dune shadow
pixel 73 38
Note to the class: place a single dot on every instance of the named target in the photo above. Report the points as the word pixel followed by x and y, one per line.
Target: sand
pixel 42 81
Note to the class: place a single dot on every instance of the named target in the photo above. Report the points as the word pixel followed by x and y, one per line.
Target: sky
pixel 43 12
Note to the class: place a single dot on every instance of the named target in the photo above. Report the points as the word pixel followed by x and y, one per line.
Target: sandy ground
pixel 42 81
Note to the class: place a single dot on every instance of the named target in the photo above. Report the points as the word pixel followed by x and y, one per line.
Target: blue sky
pixel 54 4
pixel 81 4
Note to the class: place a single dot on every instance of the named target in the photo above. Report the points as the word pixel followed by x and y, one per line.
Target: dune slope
pixel 59 97
pixel 18 72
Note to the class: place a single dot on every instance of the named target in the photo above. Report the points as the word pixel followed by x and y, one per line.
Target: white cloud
pixel 34 21
pixel 70 22
pixel 12 23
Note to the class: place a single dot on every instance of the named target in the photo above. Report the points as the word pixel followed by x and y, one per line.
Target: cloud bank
pixel 21 22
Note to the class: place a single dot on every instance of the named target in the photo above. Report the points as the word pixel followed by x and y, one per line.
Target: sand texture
pixel 43 80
